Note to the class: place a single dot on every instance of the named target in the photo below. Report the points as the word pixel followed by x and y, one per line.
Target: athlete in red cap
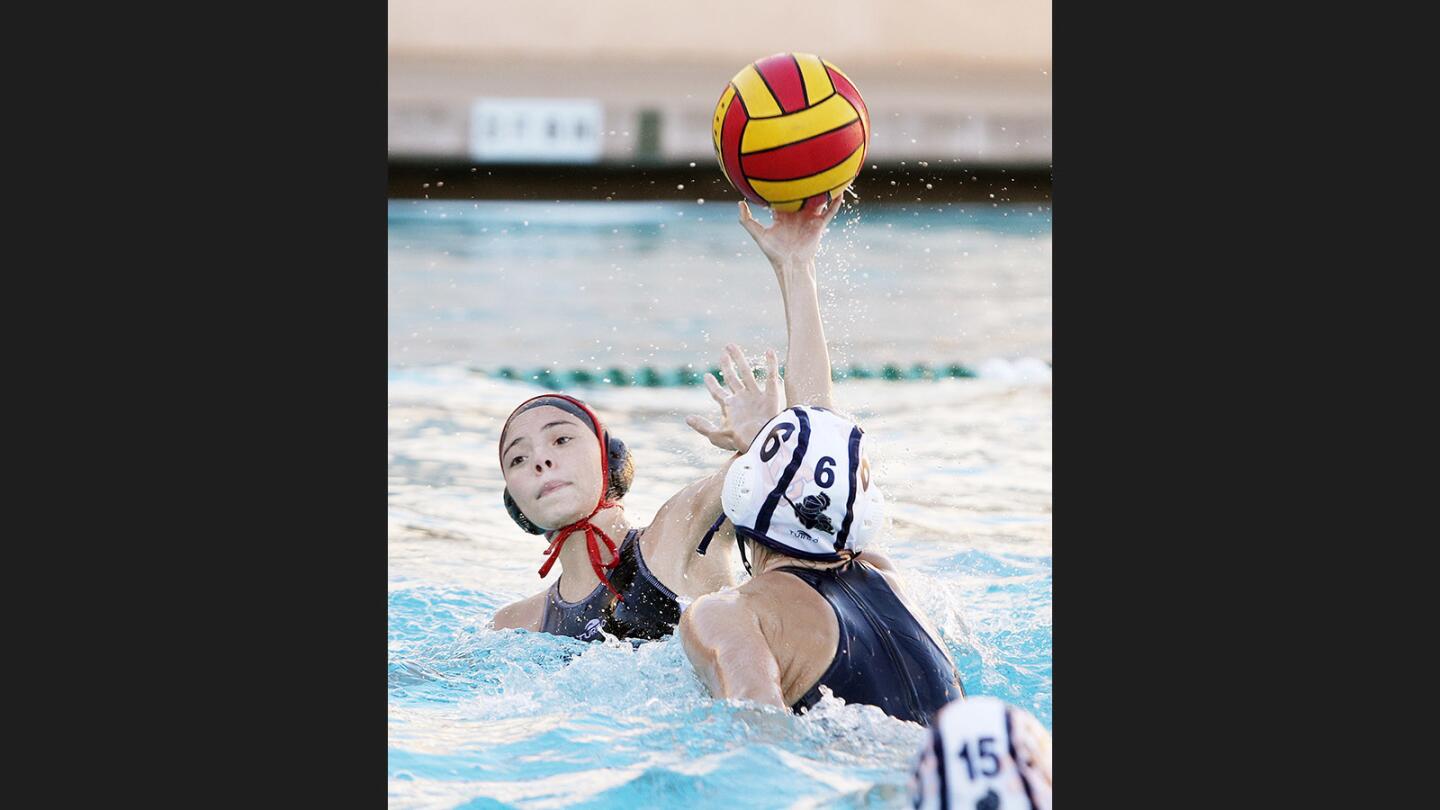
pixel 566 476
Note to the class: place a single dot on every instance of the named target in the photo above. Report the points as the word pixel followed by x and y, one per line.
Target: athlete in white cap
pixel 800 501
pixel 983 754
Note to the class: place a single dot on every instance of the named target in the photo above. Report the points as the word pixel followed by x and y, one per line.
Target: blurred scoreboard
pixel 535 130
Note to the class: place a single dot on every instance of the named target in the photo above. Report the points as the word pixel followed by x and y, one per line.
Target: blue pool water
pixel 480 718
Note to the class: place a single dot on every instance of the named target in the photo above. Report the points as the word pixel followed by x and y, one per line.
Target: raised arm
pixel 746 404
pixel 791 244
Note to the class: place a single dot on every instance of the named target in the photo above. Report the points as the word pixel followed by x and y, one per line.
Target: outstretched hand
pixel 745 404
pixel 794 238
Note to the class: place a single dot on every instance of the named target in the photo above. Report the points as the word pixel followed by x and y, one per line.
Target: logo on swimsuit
pixel 802 535
pixel 592 629
pixel 811 512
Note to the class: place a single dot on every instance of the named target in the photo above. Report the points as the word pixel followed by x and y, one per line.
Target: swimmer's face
pixel 551 462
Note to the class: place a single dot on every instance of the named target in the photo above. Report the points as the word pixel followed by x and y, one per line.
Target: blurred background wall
pixel 598 90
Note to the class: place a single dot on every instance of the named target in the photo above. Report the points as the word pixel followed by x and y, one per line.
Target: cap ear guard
pixel 738 482
pixel 622 466
pixel 869 527
pixel 519 517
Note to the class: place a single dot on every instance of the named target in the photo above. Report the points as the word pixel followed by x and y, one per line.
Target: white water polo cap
pixel 983 754
pixel 803 488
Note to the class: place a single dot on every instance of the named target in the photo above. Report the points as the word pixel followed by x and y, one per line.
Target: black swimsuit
pixel 649 611
pixel 884 657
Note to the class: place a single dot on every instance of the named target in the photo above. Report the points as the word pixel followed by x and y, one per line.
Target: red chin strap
pixel 552 552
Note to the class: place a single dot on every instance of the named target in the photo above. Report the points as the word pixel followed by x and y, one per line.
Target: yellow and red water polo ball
pixel 791 131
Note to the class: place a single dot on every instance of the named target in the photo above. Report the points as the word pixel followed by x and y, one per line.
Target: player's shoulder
pixel 714 616
pixel 774 584
pixel 778 595
pixel 725 603
pixel 525 614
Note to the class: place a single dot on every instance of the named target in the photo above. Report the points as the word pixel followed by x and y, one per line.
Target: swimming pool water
pixel 480 718
pixel 532 284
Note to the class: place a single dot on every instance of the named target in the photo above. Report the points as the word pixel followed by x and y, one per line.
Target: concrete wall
pixel 965 81
pixel 847 32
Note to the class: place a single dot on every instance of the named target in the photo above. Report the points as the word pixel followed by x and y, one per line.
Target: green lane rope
pixel 648 377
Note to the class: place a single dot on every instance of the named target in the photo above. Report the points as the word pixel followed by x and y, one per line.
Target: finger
pixel 716 392
pixel 834 208
pixel 772 368
pixel 745 377
pixel 702 426
pixel 716 435
pixel 747 221
pixel 732 376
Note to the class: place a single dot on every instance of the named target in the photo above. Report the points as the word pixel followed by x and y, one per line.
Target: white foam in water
pixel 484 718
pixel 1025 370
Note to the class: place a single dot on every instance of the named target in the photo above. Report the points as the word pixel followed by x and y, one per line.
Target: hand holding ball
pixel 791 131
